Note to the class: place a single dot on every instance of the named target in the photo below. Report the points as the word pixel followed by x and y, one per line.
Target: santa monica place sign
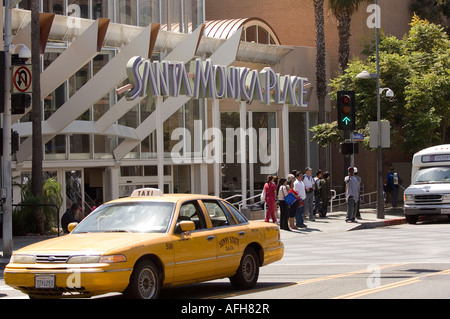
pixel 167 78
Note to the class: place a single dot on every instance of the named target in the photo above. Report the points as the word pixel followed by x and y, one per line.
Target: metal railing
pixel 337 200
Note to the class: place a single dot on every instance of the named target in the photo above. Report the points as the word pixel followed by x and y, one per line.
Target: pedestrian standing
pixel 292 209
pixel 325 193
pixel 317 197
pixel 358 203
pixel 281 194
pixel 299 187
pixel 394 180
pixel 270 188
pixel 351 195
pixel 308 180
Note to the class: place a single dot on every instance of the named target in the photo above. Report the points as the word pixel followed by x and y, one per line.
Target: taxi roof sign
pixel 146 192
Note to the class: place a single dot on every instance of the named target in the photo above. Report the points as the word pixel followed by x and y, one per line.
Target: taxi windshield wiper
pixel 118 231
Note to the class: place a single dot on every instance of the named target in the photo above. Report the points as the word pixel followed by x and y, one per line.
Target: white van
pixel 429 192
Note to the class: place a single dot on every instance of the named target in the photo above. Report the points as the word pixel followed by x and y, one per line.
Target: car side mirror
pixel 187 226
pixel 71 227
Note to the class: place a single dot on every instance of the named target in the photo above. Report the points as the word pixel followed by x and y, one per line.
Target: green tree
pixel 25 217
pixel 417 69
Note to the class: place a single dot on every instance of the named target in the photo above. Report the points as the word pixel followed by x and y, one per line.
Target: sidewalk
pixel 334 222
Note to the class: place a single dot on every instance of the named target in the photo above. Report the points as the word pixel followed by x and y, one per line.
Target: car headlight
pixel 23 259
pixel 113 259
pixel 95 259
pixel 83 259
pixel 409 198
pixel 447 197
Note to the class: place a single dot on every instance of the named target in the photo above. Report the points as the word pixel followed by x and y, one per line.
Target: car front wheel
pixel 145 282
pixel 248 271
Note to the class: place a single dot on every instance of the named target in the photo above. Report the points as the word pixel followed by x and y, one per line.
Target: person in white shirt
pixel 281 194
pixel 351 195
pixel 308 180
pixel 299 187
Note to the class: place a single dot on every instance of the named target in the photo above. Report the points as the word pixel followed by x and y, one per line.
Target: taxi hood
pixel 89 242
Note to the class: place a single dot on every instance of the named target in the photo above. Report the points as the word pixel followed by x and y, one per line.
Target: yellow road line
pixel 397 284
pixel 300 283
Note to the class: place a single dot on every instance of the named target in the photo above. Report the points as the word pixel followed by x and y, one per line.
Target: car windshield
pixel 430 175
pixel 142 217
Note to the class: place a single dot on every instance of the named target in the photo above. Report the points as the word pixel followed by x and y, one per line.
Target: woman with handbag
pixel 281 194
pixel 292 209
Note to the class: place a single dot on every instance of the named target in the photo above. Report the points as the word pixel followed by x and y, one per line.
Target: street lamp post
pixel 367 75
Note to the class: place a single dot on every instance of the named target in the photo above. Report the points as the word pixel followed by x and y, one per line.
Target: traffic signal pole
pixel 6 194
pixel 380 199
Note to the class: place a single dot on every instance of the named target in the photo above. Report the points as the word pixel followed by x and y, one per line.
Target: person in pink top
pixel 270 189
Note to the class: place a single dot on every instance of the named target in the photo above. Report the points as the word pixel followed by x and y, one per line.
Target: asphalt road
pixel 395 262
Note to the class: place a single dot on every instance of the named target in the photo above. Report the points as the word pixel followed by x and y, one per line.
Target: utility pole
pixel 6 159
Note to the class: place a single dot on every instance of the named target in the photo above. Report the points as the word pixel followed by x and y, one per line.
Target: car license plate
pixel 44 281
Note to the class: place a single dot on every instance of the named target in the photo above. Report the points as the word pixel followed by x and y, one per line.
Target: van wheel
pixel 145 281
pixel 248 271
pixel 412 219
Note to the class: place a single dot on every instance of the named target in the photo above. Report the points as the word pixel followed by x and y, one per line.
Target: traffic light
pixel 15 140
pixel 346 110
pixel 349 148
pixel 19 102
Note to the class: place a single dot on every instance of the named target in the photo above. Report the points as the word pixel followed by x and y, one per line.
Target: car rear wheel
pixel 248 271
pixel 145 281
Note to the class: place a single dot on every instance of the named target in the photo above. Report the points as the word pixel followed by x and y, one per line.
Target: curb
pixel 382 223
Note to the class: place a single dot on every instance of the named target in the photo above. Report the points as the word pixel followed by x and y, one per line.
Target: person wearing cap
pixel 351 195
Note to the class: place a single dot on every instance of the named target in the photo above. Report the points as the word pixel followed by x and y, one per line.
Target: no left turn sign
pixel 22 79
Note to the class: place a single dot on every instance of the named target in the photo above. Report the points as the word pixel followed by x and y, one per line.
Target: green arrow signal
pixel 346 120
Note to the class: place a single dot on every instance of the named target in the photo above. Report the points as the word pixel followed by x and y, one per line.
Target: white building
pixel 101 144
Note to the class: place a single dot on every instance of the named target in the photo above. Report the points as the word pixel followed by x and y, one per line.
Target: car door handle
pixel 210 237
pixel 241 233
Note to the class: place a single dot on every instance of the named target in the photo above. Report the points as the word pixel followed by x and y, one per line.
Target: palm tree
pixel 343 10
pixel 36 112
pixel 321 74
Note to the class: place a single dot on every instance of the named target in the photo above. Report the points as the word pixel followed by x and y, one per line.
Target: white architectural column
pixel 251 173
pixel 203 178
pixel 243 151
pixel 112 182
pixel 217 148
pixel 285 125
pixel 160 141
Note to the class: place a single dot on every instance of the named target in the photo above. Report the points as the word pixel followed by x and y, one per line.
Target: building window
pixel 79 146
pixel 192 15
pixel 148 12
pixel 126 12
pixel 103 9
pixel 56 148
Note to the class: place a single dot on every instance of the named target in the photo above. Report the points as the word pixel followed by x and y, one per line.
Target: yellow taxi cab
pixel 138 244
